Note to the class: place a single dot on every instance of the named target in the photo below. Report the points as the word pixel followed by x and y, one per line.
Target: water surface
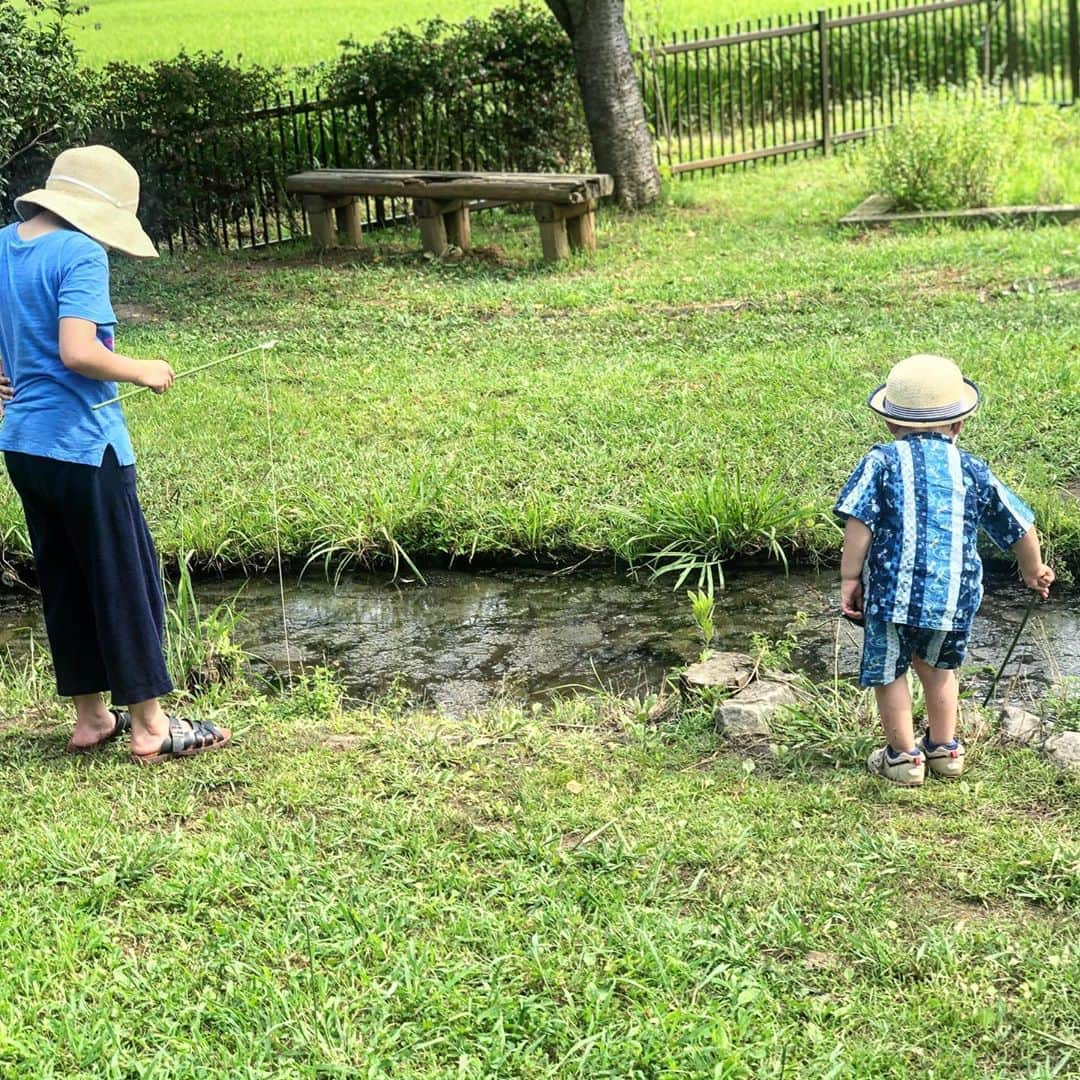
pixel 466 638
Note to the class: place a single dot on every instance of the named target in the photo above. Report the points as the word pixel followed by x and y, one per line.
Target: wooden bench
pixel 564 204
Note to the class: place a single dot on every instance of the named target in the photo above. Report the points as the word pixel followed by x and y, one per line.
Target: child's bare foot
pixel 96 727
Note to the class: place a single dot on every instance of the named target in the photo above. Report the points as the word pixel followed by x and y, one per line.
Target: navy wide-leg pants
pixel 98 573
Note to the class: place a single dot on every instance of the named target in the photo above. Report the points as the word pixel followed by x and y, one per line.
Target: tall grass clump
pixel 199 647
pixel 950 151
pixel 692 533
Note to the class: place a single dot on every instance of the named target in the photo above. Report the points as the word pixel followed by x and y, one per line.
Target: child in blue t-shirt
pixel 73 465
pixel 910 567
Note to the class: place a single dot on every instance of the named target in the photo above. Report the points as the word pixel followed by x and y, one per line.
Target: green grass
pixel 287 33
pixel 496 406
pixel 557 894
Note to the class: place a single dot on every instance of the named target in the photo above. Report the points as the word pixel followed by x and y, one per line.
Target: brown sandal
pixel 185 739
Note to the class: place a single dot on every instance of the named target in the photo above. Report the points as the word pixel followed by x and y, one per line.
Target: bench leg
pixel 348 222
pixel 581 231
pixel 323 232
pixel 433 235
pixel 459 228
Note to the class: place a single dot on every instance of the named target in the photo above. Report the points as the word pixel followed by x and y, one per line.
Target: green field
pixel 494 405
pixel 287 33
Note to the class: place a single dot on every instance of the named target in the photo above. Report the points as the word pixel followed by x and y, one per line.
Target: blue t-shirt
pixel 924 501
pixel 56 275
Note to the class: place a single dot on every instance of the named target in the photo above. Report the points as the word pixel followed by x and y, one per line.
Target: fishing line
pixel 274 502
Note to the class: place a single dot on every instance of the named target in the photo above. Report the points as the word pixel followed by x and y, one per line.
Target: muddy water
pixel 466 638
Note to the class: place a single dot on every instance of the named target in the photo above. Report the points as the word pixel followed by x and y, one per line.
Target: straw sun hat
pixel 925 391
pixel 97 191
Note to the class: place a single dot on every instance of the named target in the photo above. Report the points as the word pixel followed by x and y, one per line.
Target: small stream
pixel 467 638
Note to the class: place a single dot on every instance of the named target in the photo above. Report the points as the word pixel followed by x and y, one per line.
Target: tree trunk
pixel 610 94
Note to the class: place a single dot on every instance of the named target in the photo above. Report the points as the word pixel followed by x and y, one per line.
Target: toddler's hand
pixel 157 375
pixel 851 598
pixel 7 391
pixel 1040 581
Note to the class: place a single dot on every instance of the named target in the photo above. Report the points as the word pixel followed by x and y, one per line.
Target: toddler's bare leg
pixel 941 689
pixel 894 707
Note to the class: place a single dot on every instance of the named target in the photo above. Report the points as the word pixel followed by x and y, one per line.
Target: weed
pixel 955 149
pixel 199 646
pixel 703 606
pixel 692 533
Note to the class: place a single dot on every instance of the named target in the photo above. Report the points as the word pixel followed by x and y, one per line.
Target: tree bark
pixel 610 94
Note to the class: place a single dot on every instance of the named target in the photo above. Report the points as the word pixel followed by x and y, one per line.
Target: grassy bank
pixel 717 348
pixel 289 34
pixel 572 893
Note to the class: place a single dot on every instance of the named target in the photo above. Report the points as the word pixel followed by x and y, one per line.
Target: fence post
pixel 1012 48
pixel 1074 49
pixel 826 95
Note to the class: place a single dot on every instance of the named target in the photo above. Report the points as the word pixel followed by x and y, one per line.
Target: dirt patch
pixel 138 313
pixel 713 307
pixel 341 742
pixel 229 793
pixel 1072 487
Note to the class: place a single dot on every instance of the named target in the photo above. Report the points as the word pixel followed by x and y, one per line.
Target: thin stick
pixel 183 374
pixel 274 498
pixel 1008 655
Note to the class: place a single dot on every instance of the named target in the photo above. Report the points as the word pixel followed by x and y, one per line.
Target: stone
pixel 746 716
pixel 1064 750
pixel 723 670
pixel 1020 727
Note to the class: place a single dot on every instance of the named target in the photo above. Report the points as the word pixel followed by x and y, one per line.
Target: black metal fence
pixel 803 84
pixel 715 100
pixel 224 186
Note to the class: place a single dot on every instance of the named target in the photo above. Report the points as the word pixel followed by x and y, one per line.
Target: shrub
pixel 185 125
pixel 483 94
pixel 45 99
pixel 950 151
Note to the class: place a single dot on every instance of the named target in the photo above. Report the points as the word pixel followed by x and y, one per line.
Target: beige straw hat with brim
pixel 925 391
pixel 94 189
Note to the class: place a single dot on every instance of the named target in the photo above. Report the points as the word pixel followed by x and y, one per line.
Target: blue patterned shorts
pixel 888 649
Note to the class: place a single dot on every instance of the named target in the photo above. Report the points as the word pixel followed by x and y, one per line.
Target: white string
pixel 274 500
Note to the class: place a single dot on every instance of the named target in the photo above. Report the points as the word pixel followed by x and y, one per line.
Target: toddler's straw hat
pixel 925 391
pixel 97 191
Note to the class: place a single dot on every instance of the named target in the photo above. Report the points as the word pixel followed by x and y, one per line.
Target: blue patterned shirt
pixel 924 501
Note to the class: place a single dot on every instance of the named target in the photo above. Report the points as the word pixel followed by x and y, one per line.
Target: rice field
pixel 290 34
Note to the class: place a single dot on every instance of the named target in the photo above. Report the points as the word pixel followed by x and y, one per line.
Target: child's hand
pixel 1040 580
pixel 7 391
pixel 851 598
pixel 155 374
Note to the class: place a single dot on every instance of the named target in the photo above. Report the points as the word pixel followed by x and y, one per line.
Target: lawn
pixel 493 405
pixel 572 890
pixel 548 894
pixel 289 34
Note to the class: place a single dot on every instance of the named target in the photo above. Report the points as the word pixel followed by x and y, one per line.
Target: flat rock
pixel 723 670
pixel 746 716
pixel 1064 750
pixel 1020 727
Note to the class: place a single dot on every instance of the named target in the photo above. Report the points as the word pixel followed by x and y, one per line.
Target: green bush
pixel 495 93
pixel 185 124
pixel 45 99
pixel 950 151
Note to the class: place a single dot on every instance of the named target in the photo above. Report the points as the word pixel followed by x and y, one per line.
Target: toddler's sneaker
pixel 943 759
pixel 903 769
